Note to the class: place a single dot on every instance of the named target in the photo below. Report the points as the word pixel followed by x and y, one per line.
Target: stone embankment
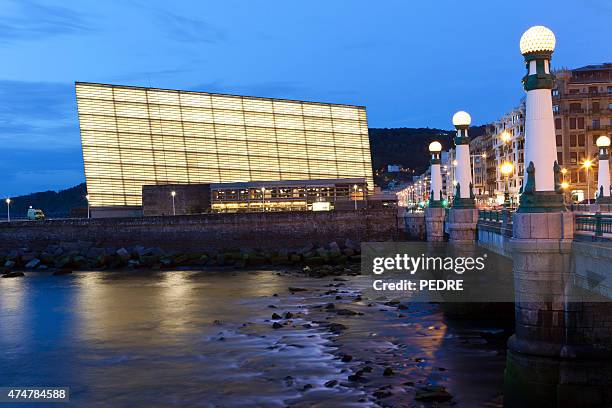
pixel 61 259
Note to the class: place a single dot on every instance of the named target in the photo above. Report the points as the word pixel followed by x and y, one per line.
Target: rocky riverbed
pixel 296 336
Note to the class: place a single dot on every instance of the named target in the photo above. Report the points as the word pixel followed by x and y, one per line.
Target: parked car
pixel 34 214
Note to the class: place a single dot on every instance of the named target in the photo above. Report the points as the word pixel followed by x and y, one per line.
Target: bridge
pixel 561 343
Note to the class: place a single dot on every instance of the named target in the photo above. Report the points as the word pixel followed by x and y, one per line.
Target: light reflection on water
pixel 120 339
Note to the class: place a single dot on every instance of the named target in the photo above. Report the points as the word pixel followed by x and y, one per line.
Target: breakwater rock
pixel 317 260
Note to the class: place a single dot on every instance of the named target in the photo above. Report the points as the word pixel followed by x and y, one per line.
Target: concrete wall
pixel 210 231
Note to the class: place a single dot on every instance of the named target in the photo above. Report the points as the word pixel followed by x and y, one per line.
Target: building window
pixel 572 140
pixel 560 158
pixel 580 123
pixel 558 123
pixel 581 139
pixel 559 140
pixel 573 157
pixel 610 106
pixel 595 107
pixel 595 123
pixel 555 92
pixel 572 123
pixel 555 108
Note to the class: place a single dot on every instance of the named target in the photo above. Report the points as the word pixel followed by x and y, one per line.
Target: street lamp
pixel 603 179
pixel 173 194
pixel 464 196
pixel 537 45
pixel 355 187
pixel 263 199
pixel 435 200
pixel 564 186
pixel 587 164
pixel 8 209
pixel 87 198
pixel 506 169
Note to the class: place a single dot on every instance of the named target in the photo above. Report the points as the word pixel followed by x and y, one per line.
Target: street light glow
pixel 462 118
pixel 435 147
pixel 564 171
pixel 603 141
pixel 8 200
pixel 564 185
pixel 587 164
pixel 173 193
pixel 537 39
pixel 505 136
pixel 507 168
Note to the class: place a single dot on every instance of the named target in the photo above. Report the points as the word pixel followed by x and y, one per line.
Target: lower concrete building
pixel 254 196
pixel 289 195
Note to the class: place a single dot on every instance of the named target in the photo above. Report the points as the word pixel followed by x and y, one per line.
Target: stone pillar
pixel 463 216
pixel 550 325
pixel 434 223
pixel 462 224
pixel 541 247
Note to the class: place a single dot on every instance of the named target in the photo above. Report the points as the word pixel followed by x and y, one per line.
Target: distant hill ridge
pixel 405 146
pixel 55 204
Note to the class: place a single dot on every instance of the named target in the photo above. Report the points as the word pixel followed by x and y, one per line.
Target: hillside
pixel 54 204
pixel 407 147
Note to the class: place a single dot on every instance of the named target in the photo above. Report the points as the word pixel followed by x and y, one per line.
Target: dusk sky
pixel 411 63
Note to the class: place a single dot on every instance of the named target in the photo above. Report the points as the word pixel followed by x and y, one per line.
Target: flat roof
pixel 215 93
pixel 289 183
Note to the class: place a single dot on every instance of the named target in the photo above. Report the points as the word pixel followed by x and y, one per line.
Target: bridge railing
pixel 597 223
pixel 496 216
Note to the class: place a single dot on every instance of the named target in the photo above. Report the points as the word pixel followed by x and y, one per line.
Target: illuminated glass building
pixel 135 136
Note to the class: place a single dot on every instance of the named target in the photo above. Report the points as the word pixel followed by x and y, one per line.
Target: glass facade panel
pixel 135 136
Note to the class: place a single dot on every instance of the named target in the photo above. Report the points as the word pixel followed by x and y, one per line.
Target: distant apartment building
pixel 582 105
pixel 483 165
pixel 507 145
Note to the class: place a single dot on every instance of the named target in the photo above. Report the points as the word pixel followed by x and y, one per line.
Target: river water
pixel 205 339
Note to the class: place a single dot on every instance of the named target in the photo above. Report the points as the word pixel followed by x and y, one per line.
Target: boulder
pixel 33 263
pixel 123 254
pixel 306 249
pixel 13 274
pixel 433 393
pixel 352 245
pixel 334 249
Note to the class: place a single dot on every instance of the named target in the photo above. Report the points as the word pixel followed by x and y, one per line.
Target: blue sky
pixel 412 63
